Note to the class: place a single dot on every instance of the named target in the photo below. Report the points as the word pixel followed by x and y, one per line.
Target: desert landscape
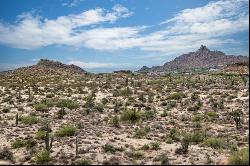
pixel 53 113
pixel 124 82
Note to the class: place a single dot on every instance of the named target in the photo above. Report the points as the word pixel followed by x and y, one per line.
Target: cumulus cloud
pixel 31 32
pixel 187 30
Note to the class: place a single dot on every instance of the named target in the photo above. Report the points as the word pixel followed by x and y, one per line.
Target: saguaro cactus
pixel 76 145
pixel 48 141
pixel 16 119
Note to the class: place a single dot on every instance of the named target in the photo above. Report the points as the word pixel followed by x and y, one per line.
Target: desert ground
pixel 124 118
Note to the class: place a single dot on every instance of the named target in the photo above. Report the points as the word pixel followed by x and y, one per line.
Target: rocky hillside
pixel 50 67
pixel 202 58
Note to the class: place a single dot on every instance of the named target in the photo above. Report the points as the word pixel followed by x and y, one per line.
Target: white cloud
pixel 71 3
pixel 31 32
pixel 186 31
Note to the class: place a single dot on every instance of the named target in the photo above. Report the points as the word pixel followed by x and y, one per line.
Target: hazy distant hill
pixel 51 67
pixel 202 58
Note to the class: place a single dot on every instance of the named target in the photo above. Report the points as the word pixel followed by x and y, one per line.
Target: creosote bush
pixel 66 130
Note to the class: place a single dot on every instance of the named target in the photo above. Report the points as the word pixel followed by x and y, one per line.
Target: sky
pixel 108 35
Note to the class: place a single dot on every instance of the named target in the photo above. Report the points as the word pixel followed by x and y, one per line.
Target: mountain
pixel 46 66
pixel 202 58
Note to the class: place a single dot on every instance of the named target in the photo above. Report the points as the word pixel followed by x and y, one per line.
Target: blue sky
pixel 107 35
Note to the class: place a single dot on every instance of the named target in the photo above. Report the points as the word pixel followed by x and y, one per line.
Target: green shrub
pixel 41 107
pixel 66 130
pixel 193 108
pixel 29 119
pixel 197 137
pixel 240 157
pixel 148 115
pixel 145 147
pixel 30 143
pixel 109 148
pixel 155 145
pixel 82 162
pixel 18 144
pixel 115 121
pixel 60 113
pixel 174 134
pixel 176 96
pixel 163 158
pixel 40 134
pixel 132 116
pixel 216 143
pixel 212 115
pixel 140 133
pixel 43 157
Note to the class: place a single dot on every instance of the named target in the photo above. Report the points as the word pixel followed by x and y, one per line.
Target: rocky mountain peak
pixel 203 49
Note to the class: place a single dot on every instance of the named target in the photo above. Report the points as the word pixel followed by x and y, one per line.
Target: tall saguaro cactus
pixel 16 119
pixel 76 145
pixel 48 139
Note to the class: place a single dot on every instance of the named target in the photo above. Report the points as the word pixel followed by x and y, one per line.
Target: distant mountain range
pixel 51 67
pixel 202 58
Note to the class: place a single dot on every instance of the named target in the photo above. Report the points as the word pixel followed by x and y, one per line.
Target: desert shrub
pixel 137 155
pixel 216 143
pixel 155 145
pixel 163 158
pixel 5 154
pixel 82 162
pixel 41 107
pixel 60 113
pixel 43 157
pixel 66 130
pixel 132 116
pixel 40 134
pixel 168 140
pixel 197 118
pixel 18 144
pixel 29 119
pixel 193 108
pixel 65 103
pixel 99 107
pixel 148 115
pixel 174 134
pixel 145 147
pixel 30 143
pixel 197 136
pixel 212 115
pixel 240 157
pixel 176 96
pixel 115 121
pixel 109 148
pixel 140 133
